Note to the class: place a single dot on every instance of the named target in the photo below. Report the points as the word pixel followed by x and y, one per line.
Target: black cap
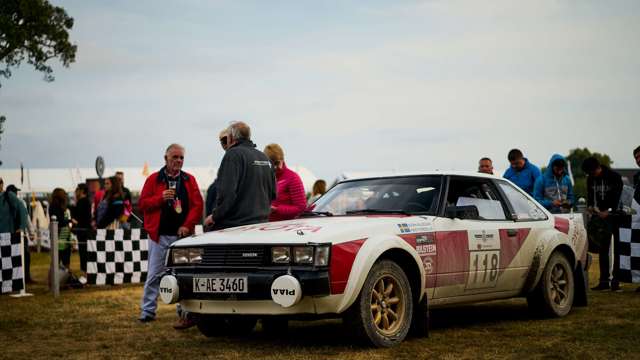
pixel 13 189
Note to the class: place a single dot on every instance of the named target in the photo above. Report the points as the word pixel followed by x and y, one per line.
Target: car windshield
pixel 411 194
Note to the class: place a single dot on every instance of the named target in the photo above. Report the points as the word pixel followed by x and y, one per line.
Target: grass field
pixel 101 323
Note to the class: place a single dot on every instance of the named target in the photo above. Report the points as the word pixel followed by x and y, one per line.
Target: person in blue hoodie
pixel 553 189
pixel 522 172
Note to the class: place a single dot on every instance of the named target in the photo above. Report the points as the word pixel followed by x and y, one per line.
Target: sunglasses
pixel 223 141
pixel 177 157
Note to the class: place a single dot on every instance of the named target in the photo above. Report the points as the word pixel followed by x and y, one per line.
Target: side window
pixel 524 208
pixel 479 193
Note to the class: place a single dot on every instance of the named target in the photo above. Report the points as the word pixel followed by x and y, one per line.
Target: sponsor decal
pixel 406 228
pixel 276 227
pixel 481 240
pixel 425 239
pixel 250 255
pixel 288 292
pixel 426 249
pixel 427 262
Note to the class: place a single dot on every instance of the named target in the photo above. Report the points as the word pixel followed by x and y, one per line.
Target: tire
pixel 382 313
pixel 555 292
pixel 218 325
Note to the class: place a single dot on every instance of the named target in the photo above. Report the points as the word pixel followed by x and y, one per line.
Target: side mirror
pixel 469 212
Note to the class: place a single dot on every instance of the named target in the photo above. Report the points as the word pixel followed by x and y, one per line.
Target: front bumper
pixel 313 283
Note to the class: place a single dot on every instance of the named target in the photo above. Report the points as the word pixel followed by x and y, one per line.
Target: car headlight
pixel 321 257
pixel 315 254
pixel 186 256
pixel 280 255
pixel 303 255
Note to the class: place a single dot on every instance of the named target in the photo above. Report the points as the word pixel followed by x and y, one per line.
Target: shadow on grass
pixel 333 333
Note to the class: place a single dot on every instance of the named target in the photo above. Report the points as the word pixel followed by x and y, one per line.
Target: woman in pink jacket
pixel 290 198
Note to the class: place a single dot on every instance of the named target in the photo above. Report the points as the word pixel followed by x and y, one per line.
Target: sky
pixel 340 85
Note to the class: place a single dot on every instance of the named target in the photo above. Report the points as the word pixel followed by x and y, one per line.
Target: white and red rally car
pixel 380 252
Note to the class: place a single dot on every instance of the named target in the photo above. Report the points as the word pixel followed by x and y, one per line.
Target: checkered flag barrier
pixel 11 257
pixel 117 257
pixel 630 247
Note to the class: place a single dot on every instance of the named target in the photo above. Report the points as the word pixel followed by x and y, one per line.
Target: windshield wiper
pixel 378 211
pixel 316 213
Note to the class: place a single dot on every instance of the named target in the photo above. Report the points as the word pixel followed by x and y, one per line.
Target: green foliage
pixel 576 157
pixel 34 31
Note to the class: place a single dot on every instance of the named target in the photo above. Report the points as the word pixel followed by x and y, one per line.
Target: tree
pixel 576 157
pixel 35 31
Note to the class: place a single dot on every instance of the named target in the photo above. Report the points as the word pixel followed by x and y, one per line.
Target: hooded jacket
pixel 525 178
pixel 548 187
pixel 245 187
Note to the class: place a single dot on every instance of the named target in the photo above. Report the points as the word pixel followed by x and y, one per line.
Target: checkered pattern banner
pixel 630 247
pixel 11 258
pixel 117 257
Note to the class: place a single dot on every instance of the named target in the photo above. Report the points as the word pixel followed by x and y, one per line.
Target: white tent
pixel 45 180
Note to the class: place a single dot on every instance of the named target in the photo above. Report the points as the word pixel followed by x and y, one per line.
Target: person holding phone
pixel 172 206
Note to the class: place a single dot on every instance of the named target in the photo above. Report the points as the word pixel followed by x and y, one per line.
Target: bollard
pixel 55 267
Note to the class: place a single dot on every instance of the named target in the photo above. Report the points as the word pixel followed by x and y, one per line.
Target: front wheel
pixel 383 311
pixel 555 291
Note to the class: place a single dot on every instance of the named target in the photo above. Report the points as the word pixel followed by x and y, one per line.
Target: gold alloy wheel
pixel 558 286
pixel 387 305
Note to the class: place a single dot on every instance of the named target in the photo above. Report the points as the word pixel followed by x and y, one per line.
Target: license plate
pixel 220 284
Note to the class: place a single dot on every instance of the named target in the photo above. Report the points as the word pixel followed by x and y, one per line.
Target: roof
pixel 378 174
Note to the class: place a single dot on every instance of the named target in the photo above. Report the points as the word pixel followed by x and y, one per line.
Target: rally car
pixel 379 252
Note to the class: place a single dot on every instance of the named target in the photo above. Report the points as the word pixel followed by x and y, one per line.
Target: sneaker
pixel 638 289
pixel 616 287
pixel 146 319
pixel 183 324
pixel 600 287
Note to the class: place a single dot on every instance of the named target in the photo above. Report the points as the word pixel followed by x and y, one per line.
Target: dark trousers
pixel 82 250
pixel 27 260
pixel 603 254
pixel 65 256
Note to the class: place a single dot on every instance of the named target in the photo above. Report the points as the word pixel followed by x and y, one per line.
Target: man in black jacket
pixel 210 203
pixel 604 187
pixel 245 184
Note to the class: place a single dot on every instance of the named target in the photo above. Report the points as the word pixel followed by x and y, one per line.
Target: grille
pixel 234 255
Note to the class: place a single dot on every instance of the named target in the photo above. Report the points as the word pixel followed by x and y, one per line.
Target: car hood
pixel 335 229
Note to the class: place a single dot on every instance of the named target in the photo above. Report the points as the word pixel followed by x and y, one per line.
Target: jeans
pixel 157 255
pixel 604 255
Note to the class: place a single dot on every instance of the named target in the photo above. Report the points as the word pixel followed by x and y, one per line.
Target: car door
pixel 469 248
pixel 518 238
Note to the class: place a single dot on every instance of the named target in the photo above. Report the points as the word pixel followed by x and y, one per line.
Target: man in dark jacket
pixel 604 187
pixel 245 184
pixel 210 203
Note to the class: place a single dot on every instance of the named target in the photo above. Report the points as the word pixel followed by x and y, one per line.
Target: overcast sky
pixel 344 85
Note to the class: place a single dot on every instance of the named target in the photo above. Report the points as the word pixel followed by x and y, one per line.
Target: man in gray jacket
pixel 245 184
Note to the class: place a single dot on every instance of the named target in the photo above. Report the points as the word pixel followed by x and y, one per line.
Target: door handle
pixel 512 232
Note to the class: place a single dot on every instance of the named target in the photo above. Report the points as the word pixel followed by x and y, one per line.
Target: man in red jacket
pixel 172 205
